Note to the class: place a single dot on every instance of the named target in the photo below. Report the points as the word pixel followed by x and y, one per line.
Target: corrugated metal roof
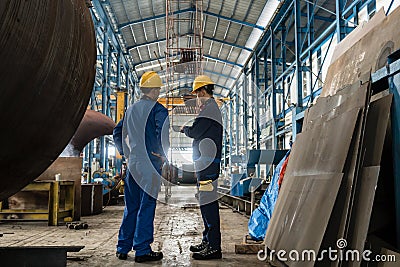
pixel 228 25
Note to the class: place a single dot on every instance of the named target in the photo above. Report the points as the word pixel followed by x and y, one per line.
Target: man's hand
pixel 163 159
pixel 182 129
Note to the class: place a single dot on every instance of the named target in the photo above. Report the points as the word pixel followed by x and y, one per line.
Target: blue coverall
pixel 206 132
pixel 146 126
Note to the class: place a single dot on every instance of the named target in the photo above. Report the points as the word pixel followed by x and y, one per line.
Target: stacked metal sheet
pixel 328 192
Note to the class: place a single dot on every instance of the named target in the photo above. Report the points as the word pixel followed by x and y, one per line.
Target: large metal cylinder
pixel 47 70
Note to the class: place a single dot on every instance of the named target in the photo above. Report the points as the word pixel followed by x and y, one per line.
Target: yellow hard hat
pixel 201 81
pixel 150 79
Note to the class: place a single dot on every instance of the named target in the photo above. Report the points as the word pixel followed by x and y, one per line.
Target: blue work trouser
pixel 137 226
pixel 211 233
pixel 209 205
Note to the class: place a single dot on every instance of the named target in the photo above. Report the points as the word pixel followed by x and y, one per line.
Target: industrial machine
pixel 242 184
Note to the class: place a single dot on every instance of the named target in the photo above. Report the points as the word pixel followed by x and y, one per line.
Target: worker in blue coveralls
pixel 206 132
pixel 142 136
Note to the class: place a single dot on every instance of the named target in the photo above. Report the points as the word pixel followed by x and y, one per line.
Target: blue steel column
pixel 230 135
pixel 245 112
pixel 296 127
pixel 265 93
pixel 127 87
pixel 394 85
pixel 108 110
pixel 273 90
pixel 223 159
pixel 118 70
pixel 118 162
pixel 355 14
pixel 265 71
pixel 226 129
pixel 237 119
pixel 283 81
pixel 310 40
pixel 283 48
pixel 339 21
pixel 257 95
pixel 251 104
pixel 109 71
pixel 104 94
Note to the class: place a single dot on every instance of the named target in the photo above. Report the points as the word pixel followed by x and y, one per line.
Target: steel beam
pixel 223 61
pixel 104 91
pixel 205 56
pixel 114 40
pixel 161 16
pixel 257 111
pixel 340 31
pixel 296 126
pixel 273 85
pixel 204 37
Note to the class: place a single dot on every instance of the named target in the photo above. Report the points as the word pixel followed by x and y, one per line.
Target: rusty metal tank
pixel 47 70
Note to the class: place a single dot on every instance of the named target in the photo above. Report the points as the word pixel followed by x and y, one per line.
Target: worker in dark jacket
pixel 206 132
pixel 142 137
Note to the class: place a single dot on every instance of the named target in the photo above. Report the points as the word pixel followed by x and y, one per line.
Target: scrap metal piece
pixel 362 209
pixel 49 256
pixel 322 148
pixel 354 93
pixel 377 121
pixel 48 54
pixel 312 180
pixel 301 215
pixel 358 33
pixel 339 219
pixel 364 188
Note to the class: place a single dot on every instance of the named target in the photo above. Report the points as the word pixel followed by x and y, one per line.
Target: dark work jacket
pixel 207 128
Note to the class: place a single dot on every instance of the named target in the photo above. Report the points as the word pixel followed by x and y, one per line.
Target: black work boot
pixel 199 247
pixel 152 256
pixel 208 254
pixel 121 256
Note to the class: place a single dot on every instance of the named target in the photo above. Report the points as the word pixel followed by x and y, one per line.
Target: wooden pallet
pixel 249 246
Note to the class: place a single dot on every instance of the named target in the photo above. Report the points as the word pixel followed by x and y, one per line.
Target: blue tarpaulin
pixel 261 216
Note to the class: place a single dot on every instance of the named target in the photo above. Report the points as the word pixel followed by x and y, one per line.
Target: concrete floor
pixel 176 227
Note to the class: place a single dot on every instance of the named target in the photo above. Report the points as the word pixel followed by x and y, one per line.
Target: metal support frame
pixel 230 136
pixel 390 75
pixel 245 114
pixel 291 75
pixel 340 32
pixel 256 105
pixel 273 89
pixel 185 34
pixel 237 122
pixel 113 56
pixel 240 22
pixel 104 97
pixel 54 213
pixel 296 126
